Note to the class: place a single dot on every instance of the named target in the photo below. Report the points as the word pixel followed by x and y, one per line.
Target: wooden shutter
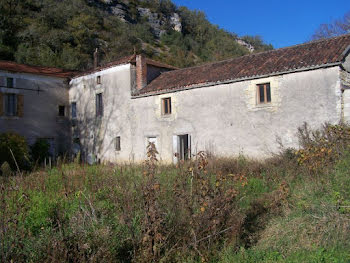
pixel 20 105
pixel 1 104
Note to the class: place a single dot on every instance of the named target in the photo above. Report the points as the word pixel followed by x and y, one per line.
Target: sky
pixel 280 23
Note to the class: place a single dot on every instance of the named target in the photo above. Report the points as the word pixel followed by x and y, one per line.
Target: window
pixel 61 111
pixel 99 105
pixel 117 143
pixel 152 140
pixel 11 105
pixel 264 93
pixel 74 110
pixel 9 83
pixel 98 80
pixel 166 106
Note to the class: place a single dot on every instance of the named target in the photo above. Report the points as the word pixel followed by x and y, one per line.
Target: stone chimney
pixel 141 72
pixel 96 58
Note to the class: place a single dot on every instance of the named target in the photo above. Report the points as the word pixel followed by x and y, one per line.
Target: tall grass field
pixel 292 207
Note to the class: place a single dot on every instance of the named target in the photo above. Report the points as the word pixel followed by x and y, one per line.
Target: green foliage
pixel 314 255
pixel 257 43
pixel 65 34
pixel 40 150
pixel 17 144
pixel 204 210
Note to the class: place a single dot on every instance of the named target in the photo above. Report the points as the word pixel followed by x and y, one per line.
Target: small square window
pixel 98 80
pixel 9 83
pixel 166 106
pixel 61 111
pixel 117 143
pixel 264 93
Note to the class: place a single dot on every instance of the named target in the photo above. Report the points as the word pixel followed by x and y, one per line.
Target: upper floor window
pixel 74 110
pixel 264 93
pixel 98 79
pixel 166 106
pixel 11 104
pixel 9 83
pixel 61 110
pixel 99 105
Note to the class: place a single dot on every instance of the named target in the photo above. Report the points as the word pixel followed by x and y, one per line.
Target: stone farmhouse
pixel 243 105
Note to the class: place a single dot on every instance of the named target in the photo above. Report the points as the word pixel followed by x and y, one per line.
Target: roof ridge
pixel 35 66
pixel 260 53
pixel 107 65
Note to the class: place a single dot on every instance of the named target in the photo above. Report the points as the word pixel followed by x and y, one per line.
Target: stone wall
pixel 41 98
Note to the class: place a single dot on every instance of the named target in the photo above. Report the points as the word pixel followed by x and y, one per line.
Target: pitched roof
pixel 22 68
pixel 328 52
pixel 122 61
pixel 159 64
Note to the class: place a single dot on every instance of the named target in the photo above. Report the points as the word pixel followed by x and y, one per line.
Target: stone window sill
pixel 10 117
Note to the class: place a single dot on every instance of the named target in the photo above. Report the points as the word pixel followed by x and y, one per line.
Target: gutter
pixel 202 85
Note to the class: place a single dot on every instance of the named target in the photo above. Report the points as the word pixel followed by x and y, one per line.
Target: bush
pixel 322 148
pixel 16 143
pixel 40 150
pixel 201 210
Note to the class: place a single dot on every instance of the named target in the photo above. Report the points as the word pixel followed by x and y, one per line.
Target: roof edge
pixel 61 74
pixel 270 51
pixel 202 85
pixel 128 60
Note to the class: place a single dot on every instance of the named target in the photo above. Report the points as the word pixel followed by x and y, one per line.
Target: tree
pixel 336 28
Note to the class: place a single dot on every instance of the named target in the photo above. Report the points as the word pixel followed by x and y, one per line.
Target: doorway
pixel 182 147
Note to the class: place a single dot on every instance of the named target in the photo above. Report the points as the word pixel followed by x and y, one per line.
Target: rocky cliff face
pixel 245 44
pixel 157 21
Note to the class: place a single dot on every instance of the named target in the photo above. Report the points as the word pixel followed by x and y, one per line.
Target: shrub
pixel 40 150
pixel 201 210
pixel 323 147
pixel 15 143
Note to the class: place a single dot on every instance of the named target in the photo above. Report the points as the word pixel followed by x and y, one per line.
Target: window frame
pixel 166 110
pixel 74 116
pixel 117 145
pixel 59 111
pixel 8 81
pixel 14 107
pixel 99 104
pixel 267 93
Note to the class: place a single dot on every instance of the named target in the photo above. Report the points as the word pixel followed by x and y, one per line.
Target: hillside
pixel 64 33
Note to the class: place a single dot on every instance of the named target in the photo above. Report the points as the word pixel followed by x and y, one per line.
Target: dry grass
pixel 202 211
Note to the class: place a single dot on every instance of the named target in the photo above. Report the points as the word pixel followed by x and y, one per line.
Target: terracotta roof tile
pixel 47 71
pixel 124 60
pixel 120 61
pixel 300 57
pixel 159 64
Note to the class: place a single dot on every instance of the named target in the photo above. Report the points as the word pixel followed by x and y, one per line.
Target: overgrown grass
pixel 289 208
